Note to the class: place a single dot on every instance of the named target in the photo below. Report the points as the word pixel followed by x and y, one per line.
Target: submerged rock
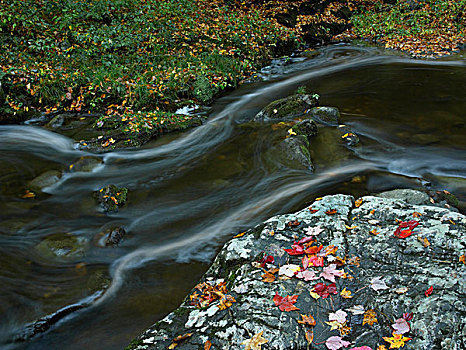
pixel 287 108
pixel 387 276
pixel 44 180
pixel 324 115
pixel 110 237
pixel 85 164
pixel 64 246
pixel 111 197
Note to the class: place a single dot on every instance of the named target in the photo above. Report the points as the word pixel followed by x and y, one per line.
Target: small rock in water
pixel 114 236
pixel 111 197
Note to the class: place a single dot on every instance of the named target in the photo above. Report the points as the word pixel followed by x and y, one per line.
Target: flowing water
pixel 190 192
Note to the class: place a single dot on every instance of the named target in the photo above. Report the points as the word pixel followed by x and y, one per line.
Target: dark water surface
pixel 191 192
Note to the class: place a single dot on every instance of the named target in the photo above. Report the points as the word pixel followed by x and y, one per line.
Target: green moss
pixel 134 344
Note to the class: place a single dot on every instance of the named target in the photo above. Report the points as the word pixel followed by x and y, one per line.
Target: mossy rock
pixel 324 115
pixel 305 128
pixel 287 108
pixel 111 197
pixel 293 152
pixel 64 246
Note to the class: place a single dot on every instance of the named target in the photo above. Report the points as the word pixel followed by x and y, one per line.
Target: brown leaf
pixel 462 259
pixel 331 212
pixel 255 343
pixel 416 214
pixel 182 337
pixel 309 335
pixel 207 345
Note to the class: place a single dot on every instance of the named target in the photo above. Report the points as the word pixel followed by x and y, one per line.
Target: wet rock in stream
pixel 111 197
pixel 287 108
pixel 384 273
pixel 44 180
pixel 62 246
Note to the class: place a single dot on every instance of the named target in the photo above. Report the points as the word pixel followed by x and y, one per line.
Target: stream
pixel 190 192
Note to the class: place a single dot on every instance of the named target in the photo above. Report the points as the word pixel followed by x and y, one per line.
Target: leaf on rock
pixel 377 283
pixel 408 316
pixel 307 320
pixel 405 229
pixel 356 309
pixel 309 335
pixel 314 295
pixel 313 249
pixel 293 223
pixel 346 294
pixel 358 203
pixel 269 276
pixel 429 291
pixel 335 343
pixel 313 231
pixel 323 290
pixel 401 326
pixel 296 249
pixel 313 211
pixel 289 270
pixel 330 272
pixel 370 317
pixel 207 345
pixel 256 342
pixel 331 212
pixel 240 234
pixel 315 261
pixel 285 303
pixel 307 275
pixel 339 316
pixel 361 348
pixel 397 341
pixel 226 301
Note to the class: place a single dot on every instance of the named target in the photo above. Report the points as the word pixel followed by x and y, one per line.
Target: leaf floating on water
pixel 256 342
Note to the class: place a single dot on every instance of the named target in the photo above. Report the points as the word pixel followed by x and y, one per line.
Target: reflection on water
pixel 191 192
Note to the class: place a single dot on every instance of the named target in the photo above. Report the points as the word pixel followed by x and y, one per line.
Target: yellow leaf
pixel 314 295
pixel 173 345
pixel 346 294
pixel 397 341
pixel 28 194
pixel 255 343
pixel 358 203
pixel 240 234
pixel 291 132
pixel 370 317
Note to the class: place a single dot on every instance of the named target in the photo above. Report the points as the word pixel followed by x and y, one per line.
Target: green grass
pixel 119 57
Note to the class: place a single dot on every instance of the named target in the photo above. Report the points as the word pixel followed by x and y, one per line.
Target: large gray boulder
pixel 385 273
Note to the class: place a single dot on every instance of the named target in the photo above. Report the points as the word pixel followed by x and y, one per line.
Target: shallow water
pixel 191 192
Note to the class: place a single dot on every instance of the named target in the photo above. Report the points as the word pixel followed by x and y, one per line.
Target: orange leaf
pixel 240 234
pixel 331 212
pixel 358 203
pixel 207 345
pixel 309 335
pixel 370 317
pixel 308 320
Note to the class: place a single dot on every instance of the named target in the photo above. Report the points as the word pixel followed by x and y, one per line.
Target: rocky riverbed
pixel 376 272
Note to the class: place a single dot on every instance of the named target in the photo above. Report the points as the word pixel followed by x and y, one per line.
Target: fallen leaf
pixel 350 227
pixel 331 249
pixel 256 342
pixel 307 320
pixel 401 326
pixel 324 291
pixel 269 276
pixel 397 341
pixel 374 232
pixel 172 346
pixel 339 316
pixel 307 275
pixel 182 337
pixel 285 303
pixel 314 295
pixel 424 241
pixel 331 212
pixel 358 203
pixel 313 249
pixel 296 249
pixel 207 345
pixel 356 309
pixel 361 348
pixel 381 347
pixel 313 231
pixel 28 194
pixel 335 343
pixel 240 234
pixel 416 214
pixel 408 316
pixel 378 284
pixel 289 270
pixel 335 325
pixel 309 335
pixel 429 291
pixel 330 272
pixel 462 259
pixel 226 301
pixel 293 223
pixel 401 290
pixel 405 229
pixel 313 211
pixel 346 294
pixel 267 259
pixel 370 317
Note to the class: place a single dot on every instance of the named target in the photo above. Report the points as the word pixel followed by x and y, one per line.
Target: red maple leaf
pixel 285 303
pixel 296 249
pixel 429 291
pixel 324 291
pixel 405 228
pixel 314 249
pixel 267 259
